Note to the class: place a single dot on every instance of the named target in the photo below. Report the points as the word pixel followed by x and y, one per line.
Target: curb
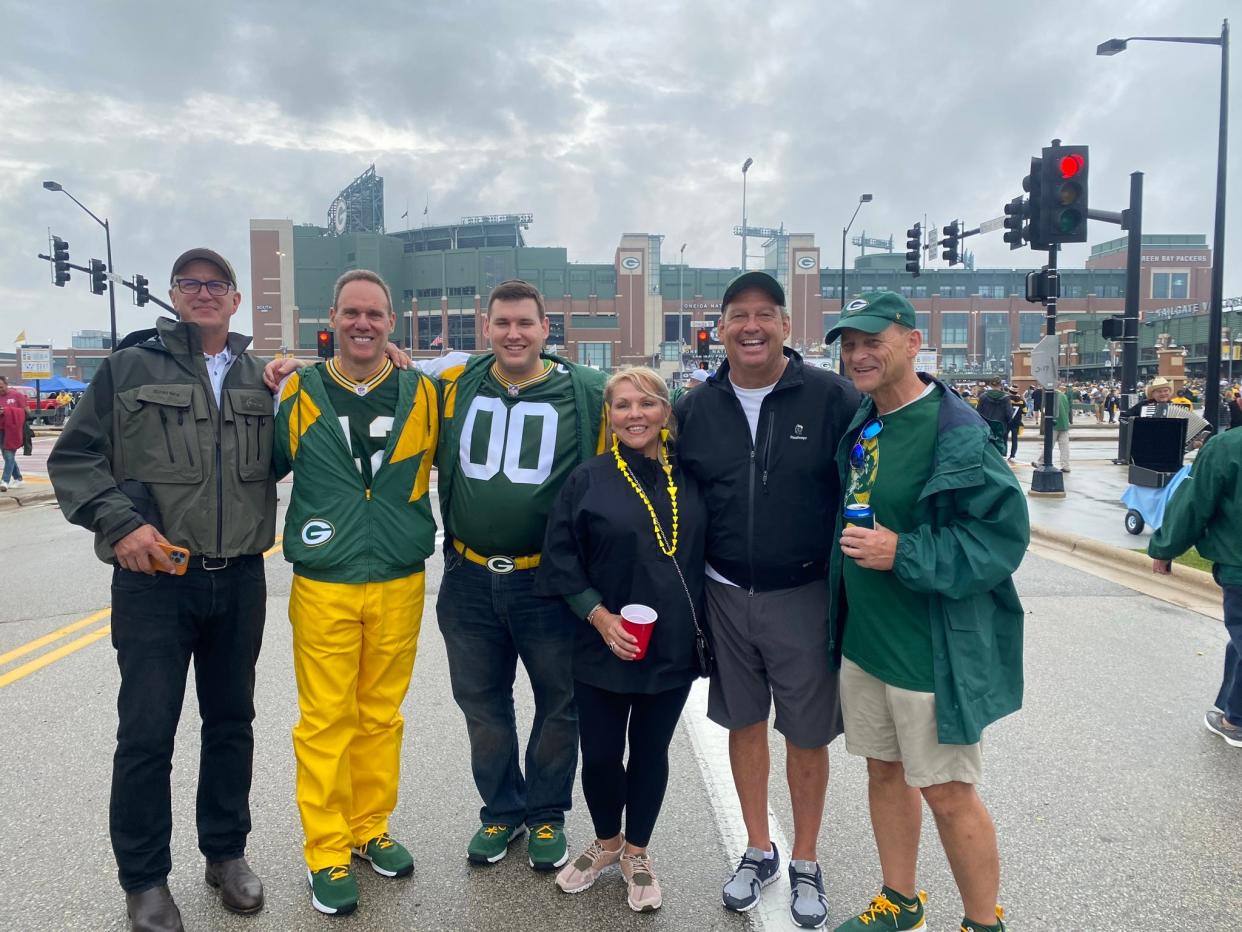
pixel 12 502
pixel 1186 584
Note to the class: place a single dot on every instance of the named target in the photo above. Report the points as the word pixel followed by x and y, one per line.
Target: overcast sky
pixel 180 122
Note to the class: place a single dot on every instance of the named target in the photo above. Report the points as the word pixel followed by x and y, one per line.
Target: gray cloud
pixel 180 125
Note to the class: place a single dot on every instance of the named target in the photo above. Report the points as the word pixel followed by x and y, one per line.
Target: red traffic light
pixel 325 337
pixel 703 335
pixel 1070 165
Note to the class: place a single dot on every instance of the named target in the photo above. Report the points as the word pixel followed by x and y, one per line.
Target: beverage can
pixel 859 516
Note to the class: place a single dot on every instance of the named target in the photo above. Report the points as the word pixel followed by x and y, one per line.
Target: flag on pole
pixel 21 337
pixel 427 205
pixel 404 215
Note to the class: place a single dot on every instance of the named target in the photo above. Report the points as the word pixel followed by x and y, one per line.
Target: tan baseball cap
pixel 207 255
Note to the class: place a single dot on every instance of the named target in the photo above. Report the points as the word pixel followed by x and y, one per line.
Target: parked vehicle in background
pixel 47 408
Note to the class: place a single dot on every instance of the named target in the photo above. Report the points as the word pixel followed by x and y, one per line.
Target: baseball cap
pixel 698 375
pixel 872 313
pixel 761 280
pixel 207 255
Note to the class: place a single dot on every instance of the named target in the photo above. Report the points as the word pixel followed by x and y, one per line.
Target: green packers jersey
pixel 888 628
pixel 513 456
pixel 365 411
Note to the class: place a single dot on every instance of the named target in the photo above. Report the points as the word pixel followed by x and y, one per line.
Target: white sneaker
pixel 16 482
pixel 4 486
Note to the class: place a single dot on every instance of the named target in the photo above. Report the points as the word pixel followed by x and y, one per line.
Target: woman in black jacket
pixel 628 527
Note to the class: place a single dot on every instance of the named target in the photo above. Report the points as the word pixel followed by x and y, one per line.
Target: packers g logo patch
pixel 856 305
pixel 317 531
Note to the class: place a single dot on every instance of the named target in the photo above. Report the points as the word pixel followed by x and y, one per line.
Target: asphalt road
pixel 1116 809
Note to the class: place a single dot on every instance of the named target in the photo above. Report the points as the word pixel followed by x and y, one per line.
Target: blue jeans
pixel 488 622
pixel 1229 699
pixel 11 469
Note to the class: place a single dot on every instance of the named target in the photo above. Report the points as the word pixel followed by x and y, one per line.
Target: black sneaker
pixel 754 872
pixel 808 904
pixel 1217 724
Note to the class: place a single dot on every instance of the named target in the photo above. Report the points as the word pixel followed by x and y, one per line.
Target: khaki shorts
pixel 892 724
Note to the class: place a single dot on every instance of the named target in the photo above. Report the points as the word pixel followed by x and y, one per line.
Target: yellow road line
pixel 65 650
pixel 54 636
pixel 52 656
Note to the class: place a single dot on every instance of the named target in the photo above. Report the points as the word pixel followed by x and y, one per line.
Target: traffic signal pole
pixel 1134 258
pixel 1048 478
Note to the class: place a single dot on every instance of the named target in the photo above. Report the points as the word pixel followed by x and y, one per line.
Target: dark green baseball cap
pixel 872 313
pixel 761 280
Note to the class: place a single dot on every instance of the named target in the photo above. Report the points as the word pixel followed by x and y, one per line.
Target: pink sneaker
pixel 642 888
pixel 580 873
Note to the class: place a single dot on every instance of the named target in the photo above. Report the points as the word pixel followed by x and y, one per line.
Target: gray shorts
pixel 773 647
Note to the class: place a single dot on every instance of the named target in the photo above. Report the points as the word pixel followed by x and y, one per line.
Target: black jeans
pixel 158 623
pixel 611 784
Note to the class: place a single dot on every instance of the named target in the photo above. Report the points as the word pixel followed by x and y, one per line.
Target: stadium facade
pixel 637 307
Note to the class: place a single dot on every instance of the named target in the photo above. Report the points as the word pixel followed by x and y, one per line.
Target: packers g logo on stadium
pixel 317 531
pixel 856 305
pixel 630 263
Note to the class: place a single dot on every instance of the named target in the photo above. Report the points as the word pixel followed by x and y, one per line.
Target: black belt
pixel 214 564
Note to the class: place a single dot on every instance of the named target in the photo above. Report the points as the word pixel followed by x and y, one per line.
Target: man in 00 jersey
pixel 360 437
pixel 516 423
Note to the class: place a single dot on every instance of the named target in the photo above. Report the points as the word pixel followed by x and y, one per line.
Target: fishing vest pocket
pixel 249 417
pixel 158 432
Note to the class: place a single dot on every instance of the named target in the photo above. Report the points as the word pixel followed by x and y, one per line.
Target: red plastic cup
pixel 638 620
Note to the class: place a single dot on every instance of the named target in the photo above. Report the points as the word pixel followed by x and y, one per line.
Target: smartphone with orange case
pixel 179 556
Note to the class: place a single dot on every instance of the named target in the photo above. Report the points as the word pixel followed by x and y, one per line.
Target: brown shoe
pixel 241 891
pixel 153 910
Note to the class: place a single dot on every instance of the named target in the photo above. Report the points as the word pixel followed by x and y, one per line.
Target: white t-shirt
pixel 752 400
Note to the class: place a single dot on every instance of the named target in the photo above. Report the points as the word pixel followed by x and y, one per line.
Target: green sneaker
pixel 889 910
pixel 491 842
pixel 968 926
pixel 388 857
pixel 333 890
pixel 546 849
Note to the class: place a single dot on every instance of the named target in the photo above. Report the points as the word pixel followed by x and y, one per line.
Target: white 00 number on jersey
pixel 504 442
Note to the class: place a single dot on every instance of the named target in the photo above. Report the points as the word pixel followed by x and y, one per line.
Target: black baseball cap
pixel 761 280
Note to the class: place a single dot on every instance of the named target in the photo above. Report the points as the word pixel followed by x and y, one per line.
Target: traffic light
pixel 702 341
pixel 1015 214
pixel 99 277
pixel 142 293
pixel 326 343
pixel 953 236
pixel 60 261
pixel 1063 195
pixel 914 242
pixel 1032 184
pixel 1113 328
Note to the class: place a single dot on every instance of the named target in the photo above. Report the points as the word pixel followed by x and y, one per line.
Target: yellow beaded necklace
pixel 661 540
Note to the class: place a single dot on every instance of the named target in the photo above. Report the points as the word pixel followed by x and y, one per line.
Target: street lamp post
pixel 745 167
pixel 864 199
pixel 1211 390
pixel 681 308
pixel 55 186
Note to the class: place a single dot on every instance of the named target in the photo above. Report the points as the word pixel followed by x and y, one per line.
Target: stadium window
pixel 953 328
pixel 1030 328
pixel 920 291
pixel 1170 284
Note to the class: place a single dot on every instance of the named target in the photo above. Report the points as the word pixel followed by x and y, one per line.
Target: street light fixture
pixel 1211 390
pixel 745 167
pixel 56 186
pixel 864 199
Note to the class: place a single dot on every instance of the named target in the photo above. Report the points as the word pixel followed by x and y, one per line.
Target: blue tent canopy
pixel 58 384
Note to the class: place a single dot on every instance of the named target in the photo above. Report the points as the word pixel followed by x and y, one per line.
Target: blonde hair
pixel 648 382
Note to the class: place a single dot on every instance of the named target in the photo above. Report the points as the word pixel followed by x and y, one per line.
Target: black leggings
pixel 611 785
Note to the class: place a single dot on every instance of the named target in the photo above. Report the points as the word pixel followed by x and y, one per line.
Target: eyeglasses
pixel 858 454
pixel 216 289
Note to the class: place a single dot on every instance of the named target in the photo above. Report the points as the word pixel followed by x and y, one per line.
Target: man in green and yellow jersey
pixel 516 423
pixel 360 437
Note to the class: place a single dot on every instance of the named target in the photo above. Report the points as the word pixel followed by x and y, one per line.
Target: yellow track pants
pixel 353 653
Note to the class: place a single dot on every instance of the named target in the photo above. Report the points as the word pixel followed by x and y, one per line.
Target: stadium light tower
pixel 864 199
pixel 56 186
pixel 1211 387
pixel 745 167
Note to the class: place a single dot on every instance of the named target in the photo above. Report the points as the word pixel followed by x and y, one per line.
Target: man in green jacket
pixel 516 423
pixel 360 438
pixel 1206 512
pixel 172 444
pixel 928 623
pixel 1061 428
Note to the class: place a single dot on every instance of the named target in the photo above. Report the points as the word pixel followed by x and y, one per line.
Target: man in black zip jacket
pixel 761 436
